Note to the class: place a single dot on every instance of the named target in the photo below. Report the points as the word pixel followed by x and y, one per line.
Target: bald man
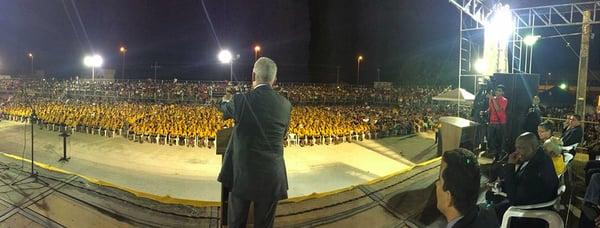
pixel 528 177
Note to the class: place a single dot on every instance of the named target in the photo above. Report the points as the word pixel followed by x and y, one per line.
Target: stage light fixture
pixel 501 24
pixel 530 40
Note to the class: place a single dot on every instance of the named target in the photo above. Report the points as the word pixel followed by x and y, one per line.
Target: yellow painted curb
pixel 198 203
pixel 163 199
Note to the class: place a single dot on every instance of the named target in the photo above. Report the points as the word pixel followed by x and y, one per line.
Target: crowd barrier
pixel 195 141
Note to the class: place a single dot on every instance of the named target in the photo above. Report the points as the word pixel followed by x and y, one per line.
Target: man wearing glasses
pixel 573 132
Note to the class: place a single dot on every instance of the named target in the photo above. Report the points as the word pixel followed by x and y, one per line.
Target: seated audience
pixel 545 130
pixel 527 178
pixel 553 148
pixel 573 132
pixel 457 190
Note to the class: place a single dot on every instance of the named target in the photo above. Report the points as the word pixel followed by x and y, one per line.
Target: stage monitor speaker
pixel 456 133
pixel 519 89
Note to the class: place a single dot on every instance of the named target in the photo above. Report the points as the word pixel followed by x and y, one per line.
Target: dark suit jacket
pixel 532 120
pixel 254 168
pixel 572 136
pixel 481 216
pixel 535 183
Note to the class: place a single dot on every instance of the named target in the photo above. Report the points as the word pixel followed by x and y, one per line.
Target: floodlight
pixel 93 61
pixel 530 40
pixel 501 24
pixel 225 56
pixel 481 66
pixel 256 48
pixel 563 86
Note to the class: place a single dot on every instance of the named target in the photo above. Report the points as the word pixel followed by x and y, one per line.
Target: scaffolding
pixel 473 17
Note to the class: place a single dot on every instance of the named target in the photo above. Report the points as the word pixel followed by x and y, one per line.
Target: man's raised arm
pixel 227 107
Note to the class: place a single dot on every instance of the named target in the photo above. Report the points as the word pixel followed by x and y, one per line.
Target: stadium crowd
pixel 320 115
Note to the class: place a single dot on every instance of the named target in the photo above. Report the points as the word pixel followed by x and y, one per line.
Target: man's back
pixel 262 117
pixel 482 216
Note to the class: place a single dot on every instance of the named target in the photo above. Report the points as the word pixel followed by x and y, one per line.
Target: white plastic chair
pixel 533 211
pixel 568 158
pixel 570 147
pixel 292 139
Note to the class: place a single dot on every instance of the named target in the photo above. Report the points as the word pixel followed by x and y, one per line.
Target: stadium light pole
pixel 30 55
pixel 225 57
pixel 122 50
pixel 256 51
pixel 93 62
pixel 358 60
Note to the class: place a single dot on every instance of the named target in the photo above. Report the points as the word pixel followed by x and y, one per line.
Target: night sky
pixel 412 42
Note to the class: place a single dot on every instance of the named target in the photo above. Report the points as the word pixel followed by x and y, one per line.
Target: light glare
pixel 530 40
pixel 481 66
pixel 225 56
pixel 93 61
pixel 501 24
pixel 563 86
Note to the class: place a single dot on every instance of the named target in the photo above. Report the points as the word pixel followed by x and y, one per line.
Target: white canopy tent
pixel 455 95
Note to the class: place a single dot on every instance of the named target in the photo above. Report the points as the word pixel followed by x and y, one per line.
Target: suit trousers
pixel 495 138
pixel 264 212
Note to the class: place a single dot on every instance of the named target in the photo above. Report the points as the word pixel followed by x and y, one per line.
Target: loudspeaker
pixel 519 89
pixel 456 133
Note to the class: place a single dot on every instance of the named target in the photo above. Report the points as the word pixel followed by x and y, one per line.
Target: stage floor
pixel 190 173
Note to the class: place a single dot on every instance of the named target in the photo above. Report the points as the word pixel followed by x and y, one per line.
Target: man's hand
pixel 489 96
pixel 229 91
pixel 514 158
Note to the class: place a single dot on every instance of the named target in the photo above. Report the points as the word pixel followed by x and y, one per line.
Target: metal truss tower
pixel 473 16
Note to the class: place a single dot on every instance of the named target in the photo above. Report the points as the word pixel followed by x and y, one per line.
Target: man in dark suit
pixel 527 178
pixel 573 133
pixel 254 168
pixel 457 190
pixel 534 116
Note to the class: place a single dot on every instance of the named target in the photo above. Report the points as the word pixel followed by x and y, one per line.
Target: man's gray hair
pixel 265 70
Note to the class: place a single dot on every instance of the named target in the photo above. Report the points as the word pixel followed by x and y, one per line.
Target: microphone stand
pixel 33 174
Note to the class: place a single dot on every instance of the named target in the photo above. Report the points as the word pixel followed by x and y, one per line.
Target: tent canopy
pixel 455 95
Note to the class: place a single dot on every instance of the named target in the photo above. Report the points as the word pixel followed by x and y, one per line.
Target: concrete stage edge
pixel 190 173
